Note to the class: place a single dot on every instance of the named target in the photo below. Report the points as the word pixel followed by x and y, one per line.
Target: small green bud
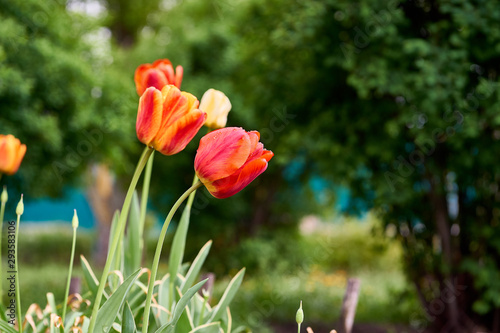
pixel 299 317
pixel 205 293
pixel 75 221
pixel 4 197
pixel 20 207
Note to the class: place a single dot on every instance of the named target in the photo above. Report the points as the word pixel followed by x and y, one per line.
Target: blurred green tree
pixel 399 102
pixel 52 99
pixel 125 18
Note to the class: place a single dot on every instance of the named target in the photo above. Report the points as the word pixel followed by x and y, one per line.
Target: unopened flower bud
pixel 75 221
pixel 299 317
pixel 20 207
pixel 4 197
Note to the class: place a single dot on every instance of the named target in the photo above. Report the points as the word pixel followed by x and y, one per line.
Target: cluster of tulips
pixel 227 160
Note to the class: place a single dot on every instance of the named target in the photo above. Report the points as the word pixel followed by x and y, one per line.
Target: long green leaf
pixel 114 222
pixel 180 306
pixel 228 296
pixel 179 241
pixel 7 328
pixel 184 324
pixel 164 297
pixel 240 329
pixel 70 319
pixel 133 253
pixel 229 320
pixel 89 276
pixel 2 313
pixel 51 301
pixel 195 268
pixel 116 264
pixel 207 328
pixel 109 310
pixel 128 322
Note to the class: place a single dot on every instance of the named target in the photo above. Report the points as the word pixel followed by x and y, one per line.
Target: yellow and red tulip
pixel 217 106
pixel 11 154
pixel 229 159
pixel 158 74
pixel 167 120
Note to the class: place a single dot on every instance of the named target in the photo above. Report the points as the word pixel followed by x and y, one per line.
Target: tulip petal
pixel 180 133
pixel 157 75
pixel 166 67
pixel 267 155
pixel 254 139
pixel 162 62
pixel 226 187
pixel 179 72
pixel 217 106
pixel 11 154
pixel 149 115
pixel 176 104
pixel 147 76
pixel 221 153
pixel 7 155
pixel 140 72
pixel 155 78
pixel 19 158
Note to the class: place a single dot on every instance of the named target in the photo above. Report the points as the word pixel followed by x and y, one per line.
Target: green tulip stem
pixel 2 211
pixel 159 246
pixel 189 203
pixel 18 290
pixel 70 272
pixel 202 312
pixel 144 199
pixel 122 221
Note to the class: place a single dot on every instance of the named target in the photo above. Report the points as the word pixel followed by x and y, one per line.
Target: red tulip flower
pixel 168 120
pixel 11 154
pixel 229 159
pixel 158 75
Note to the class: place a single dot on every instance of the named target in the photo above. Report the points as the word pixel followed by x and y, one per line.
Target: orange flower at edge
pixel 229 159
pixel 167 120
pixel 11 154
pixel 158 75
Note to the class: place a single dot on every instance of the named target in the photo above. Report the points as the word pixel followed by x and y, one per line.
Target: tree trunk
pixel 450 299
pixel 104 198
pixel 349 305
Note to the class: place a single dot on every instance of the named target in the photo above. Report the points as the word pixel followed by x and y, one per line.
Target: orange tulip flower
pixel 228 159
pixel 168 120
pixel 11 154
pixel 158 75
